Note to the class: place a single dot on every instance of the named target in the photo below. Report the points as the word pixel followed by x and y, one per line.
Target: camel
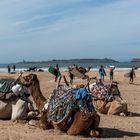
pixel 115 106
pixel 16 106
pixel 33 69
pixel 76 123
pixel 84 70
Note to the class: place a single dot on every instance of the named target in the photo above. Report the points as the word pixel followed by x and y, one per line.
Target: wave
pixel 63 69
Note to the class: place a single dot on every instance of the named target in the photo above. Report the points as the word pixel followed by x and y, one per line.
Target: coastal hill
pixel 74 61
pixel 135 60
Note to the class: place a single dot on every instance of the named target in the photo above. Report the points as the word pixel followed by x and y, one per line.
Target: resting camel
pixel 115 106
pixel 76 123
pixel 16 106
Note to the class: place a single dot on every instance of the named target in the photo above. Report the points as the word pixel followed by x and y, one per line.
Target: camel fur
pixel 18 107
pixel 77 123
pixel 116 106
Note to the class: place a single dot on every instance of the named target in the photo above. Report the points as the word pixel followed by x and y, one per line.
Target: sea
pixel 119 66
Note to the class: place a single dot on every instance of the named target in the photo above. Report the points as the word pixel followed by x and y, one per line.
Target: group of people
pixel 13 67
pixel 102 73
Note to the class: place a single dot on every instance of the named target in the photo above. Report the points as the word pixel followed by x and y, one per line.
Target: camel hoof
pixel 122 114
pixel 94 133
pixel 33 123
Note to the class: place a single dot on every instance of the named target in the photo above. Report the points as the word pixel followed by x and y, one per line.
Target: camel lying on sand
pixel 17 106
pixel 114 106
pixel 76 123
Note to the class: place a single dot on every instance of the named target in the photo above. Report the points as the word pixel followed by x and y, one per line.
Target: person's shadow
pixel 115 133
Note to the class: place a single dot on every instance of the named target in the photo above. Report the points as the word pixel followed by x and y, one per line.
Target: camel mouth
pixel 27 80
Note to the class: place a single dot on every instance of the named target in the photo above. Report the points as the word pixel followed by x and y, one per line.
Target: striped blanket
pixel 6 85
pixel 64 100
pixel 60 105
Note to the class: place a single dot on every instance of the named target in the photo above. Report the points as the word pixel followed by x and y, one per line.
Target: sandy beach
pixel 114 127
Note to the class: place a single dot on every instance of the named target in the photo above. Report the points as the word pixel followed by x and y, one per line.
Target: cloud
pixel 81 28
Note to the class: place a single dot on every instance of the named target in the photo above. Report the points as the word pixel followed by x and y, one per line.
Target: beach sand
pixel 114 127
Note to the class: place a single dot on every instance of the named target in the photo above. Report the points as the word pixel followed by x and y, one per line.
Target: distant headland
pixel 87 60
pixel 135 60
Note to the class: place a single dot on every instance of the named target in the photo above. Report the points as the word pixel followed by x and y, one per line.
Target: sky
pixel 33 30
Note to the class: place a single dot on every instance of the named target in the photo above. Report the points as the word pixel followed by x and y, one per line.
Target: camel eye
pixel 26 79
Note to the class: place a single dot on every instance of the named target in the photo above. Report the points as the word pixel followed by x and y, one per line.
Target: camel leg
pixel 43 122
pixel 116 108
pixel 19 108
pixel 83 124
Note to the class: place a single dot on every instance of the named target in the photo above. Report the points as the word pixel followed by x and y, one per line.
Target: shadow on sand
pixel 135 84
pixel 134 114
pixel 115 133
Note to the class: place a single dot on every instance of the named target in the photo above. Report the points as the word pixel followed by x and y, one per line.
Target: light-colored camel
pixel 116 106
pixel 77 122
pixel 19 108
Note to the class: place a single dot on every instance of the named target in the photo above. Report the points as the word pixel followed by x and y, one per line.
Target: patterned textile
pixel 64 100
pixel 101 91
pixel 6 85
pixel 83 99
pixel 60 104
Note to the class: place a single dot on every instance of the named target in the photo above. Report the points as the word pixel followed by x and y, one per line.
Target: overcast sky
pixel 63 29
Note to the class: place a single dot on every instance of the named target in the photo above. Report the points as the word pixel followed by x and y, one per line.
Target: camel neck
pixel 38 97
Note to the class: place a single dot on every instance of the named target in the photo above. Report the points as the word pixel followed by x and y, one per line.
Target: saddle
pixel 5 89
pixel 64 100
pixel 102 92
pixel 64 103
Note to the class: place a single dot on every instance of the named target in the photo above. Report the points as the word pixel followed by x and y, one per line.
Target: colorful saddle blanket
pixel 64 100
pixel 60 104
pixel 101 91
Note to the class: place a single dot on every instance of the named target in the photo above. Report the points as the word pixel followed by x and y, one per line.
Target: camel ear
pixel 32 78
pixel 20 73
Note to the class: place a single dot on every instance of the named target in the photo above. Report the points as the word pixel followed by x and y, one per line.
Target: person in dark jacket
pixel 102 72
pixel 132 75
pixel 56 72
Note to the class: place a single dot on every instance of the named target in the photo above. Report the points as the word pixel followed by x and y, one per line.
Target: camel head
pixel 27 80
pixel 91 86
pixel 114 89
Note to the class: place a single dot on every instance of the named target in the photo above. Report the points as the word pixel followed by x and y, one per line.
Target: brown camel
pixel 84 70
pixel 115 106
pixel 77 122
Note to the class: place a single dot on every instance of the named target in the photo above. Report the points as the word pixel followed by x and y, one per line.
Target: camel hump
pixel 76 73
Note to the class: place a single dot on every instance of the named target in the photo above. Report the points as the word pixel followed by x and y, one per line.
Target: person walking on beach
pixel 102 72
pixel 56 72
pixel 71 76
pixel 132 75
pixel 9 69
pixel 111 72
pixel 14 68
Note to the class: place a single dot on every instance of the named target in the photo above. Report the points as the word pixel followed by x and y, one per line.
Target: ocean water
pixel 63 66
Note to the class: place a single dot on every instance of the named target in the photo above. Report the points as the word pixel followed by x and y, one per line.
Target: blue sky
pixel 63 29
